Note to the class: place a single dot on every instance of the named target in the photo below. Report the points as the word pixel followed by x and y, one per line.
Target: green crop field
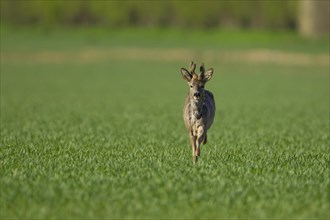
pixel 101 136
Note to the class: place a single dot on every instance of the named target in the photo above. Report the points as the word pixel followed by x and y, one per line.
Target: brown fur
pixel 199 108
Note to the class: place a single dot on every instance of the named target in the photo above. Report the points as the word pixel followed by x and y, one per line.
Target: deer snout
pixel 197 95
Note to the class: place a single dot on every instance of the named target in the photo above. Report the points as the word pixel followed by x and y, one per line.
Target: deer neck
pixel 196 108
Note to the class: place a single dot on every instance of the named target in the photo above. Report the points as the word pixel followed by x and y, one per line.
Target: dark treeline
pixel 199 14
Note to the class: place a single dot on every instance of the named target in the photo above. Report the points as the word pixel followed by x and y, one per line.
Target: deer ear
pixel 208 75
pixel 185 74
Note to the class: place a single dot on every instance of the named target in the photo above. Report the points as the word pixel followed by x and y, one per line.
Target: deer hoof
pixel 195 159
pixel 198 152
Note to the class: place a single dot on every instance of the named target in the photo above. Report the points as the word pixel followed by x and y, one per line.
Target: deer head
pixel 196 82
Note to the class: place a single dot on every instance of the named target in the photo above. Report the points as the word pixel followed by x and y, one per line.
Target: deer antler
pixel 202 70
pixel 192 69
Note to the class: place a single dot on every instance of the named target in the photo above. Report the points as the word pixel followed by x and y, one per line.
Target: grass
pixel 107 140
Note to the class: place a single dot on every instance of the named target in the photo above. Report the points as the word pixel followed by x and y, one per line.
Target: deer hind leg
pixel 205 139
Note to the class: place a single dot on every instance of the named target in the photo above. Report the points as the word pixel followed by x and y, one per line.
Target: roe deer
pixel 199 108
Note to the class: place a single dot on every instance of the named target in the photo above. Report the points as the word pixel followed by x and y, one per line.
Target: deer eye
pixel 191 86
pixel 202 86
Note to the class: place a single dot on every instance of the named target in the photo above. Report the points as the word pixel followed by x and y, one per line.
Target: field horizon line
pixel 90 55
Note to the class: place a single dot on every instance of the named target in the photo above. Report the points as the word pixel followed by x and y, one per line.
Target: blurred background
pixel 309 17
pixel 202 30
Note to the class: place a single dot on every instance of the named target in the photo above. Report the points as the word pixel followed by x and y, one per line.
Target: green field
pixel 105 138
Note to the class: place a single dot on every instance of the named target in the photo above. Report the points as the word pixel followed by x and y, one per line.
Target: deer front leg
pixel 193 147
pixel 201 136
